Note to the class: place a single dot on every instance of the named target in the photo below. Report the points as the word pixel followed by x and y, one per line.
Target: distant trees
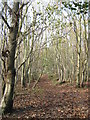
pixel 69 36
pixel 34 26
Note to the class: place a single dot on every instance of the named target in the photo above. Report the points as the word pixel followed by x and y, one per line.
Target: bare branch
pixel 10 10
pixel 5 21
pixel 23 5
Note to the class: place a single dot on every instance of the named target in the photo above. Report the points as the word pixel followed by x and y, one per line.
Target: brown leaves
pixel 50 101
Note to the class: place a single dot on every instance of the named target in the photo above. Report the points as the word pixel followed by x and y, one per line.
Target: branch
pixel 10 10
pixel 23 5
pixel 36 81
pixel 5 21
pixel 24 61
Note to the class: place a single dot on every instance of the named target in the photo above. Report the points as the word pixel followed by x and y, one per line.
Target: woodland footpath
pixel 49 100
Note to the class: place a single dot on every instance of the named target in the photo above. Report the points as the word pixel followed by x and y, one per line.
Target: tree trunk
pixel 78 55
pixel 86 49
pixel 9 75
pixel 88 41
pixel 23 76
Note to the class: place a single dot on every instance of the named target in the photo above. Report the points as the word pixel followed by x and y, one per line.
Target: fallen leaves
pixel 50 101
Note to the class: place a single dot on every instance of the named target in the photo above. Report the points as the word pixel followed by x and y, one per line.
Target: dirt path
pixel 50 101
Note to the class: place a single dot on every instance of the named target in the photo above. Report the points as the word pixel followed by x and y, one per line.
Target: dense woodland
pixel 44 46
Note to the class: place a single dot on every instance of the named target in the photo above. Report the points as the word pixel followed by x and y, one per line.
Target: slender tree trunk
pixel 80 50
pixel 9 75
pixel 59 72
pixel 23 80
pixel 58 61
pixel 78 55
pixel 23 76
pixel 86 50
pixel 88 41
pixel 32 46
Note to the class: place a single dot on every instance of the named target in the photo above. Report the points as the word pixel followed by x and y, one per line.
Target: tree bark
pixel 88 41
pixel 9 74
pixel 78 55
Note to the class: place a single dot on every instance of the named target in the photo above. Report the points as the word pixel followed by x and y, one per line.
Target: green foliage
pixel 38 2
pixel 72 8
pixel 78 7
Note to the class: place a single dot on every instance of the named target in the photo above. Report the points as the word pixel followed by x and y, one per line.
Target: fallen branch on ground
pixel 36 81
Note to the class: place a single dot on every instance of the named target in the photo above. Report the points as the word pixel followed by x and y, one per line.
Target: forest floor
pixel 48 100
